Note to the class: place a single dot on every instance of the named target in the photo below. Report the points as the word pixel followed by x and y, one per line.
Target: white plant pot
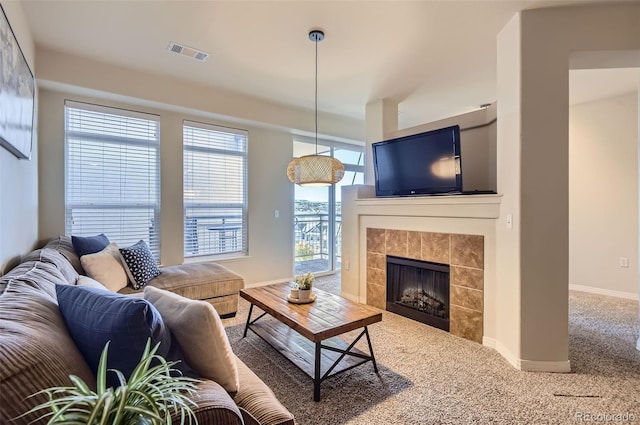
pixel 295 293
pixel 304 294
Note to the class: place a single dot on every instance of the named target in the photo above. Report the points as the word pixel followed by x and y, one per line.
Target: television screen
pixel 420 164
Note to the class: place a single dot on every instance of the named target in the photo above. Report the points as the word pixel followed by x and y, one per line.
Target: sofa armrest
pixel 215 406
pixel 257 401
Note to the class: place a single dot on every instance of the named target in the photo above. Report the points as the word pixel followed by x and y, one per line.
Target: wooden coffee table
pixel 306 333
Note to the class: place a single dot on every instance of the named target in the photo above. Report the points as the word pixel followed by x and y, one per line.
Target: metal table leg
pixel 246 327
pixel 317 380
pixel 373 358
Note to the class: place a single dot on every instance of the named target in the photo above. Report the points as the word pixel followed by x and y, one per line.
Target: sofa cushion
pixel 140 265
pixel 55 258
pixel 36 350
pixel 64 246
pixel 198 328
pixel 255 397
pixel 94 316
pixel 37 274
pixel 106 267
pixel 198 281
pixel 84 245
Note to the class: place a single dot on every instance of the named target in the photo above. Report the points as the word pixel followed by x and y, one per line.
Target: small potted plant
pixel 305 282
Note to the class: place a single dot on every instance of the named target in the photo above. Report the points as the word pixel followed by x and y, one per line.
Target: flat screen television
pixel 421 164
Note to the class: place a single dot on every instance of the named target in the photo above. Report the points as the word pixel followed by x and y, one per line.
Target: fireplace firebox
pixel 419 290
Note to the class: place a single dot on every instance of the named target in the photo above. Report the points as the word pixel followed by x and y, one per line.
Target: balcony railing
pixel 213 234
pixel 220 234
pixel 311 236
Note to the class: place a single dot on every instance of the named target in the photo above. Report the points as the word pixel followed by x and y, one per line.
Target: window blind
pixel 215 190
pixel 112 185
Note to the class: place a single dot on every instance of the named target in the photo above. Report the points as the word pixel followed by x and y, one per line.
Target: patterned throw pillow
pixel 141 267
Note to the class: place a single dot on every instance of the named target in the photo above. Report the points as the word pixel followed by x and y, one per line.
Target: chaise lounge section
pixel 209 281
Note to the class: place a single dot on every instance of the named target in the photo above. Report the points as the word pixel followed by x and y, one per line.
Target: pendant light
pixel 315 170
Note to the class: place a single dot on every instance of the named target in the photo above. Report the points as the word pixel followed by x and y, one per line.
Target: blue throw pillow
pixel 95 316
pixel 141 266
pixel 84 245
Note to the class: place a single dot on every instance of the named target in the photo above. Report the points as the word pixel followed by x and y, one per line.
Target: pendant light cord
pixel 316 95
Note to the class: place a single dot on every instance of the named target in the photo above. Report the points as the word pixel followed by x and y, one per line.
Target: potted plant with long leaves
pixel 151 395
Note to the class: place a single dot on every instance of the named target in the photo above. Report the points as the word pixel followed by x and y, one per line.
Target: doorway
pixel 603 181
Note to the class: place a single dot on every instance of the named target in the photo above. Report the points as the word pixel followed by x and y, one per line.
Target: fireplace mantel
pixel 448 214
pixel 456 206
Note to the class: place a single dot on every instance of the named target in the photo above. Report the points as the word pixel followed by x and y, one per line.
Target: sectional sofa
pixel 37 350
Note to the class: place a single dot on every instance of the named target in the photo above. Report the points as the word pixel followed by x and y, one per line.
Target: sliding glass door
pixel 317 210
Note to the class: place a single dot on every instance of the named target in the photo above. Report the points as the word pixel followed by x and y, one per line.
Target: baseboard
pixel 527 365
pixel 608 292
pixel 489 342
pixel 350 297
pixel 504 352
pixel 563 366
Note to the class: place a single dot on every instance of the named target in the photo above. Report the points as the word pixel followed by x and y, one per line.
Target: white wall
pixel 603 194
pixel 18 178
pixel 67 72
pixel 508 157
pixel 533 156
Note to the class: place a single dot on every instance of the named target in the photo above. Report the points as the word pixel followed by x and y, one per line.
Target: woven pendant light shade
pixel 315 170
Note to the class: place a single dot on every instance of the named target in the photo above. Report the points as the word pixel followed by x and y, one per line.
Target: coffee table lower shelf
pixel 332 355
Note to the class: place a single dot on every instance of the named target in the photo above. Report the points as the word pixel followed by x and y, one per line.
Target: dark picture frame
pixel 17 94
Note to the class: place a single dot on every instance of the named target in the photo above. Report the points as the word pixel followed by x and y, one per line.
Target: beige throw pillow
pixel 106 267
pixel 200 333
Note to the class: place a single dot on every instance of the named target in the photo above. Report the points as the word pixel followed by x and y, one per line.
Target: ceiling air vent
pixel 188 51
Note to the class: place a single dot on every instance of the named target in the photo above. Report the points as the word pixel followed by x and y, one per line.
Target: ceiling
pixel 436 58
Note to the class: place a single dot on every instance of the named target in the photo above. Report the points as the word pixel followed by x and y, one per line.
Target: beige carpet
pixel 428 376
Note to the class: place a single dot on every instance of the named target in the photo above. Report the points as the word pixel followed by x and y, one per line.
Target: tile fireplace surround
pixel 463 253
pixel 459 231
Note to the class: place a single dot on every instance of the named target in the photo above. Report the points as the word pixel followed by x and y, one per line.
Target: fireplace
pixel 419 290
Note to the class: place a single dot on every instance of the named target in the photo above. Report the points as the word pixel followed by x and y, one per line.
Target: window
pixel 112 183
pixel 215 190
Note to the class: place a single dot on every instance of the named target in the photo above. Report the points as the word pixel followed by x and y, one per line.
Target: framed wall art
pixel 17 94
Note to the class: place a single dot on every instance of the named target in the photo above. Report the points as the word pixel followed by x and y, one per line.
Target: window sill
pixel 217 258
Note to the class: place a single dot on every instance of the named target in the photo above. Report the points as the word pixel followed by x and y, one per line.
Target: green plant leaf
pixel 80 385
pixel 101 374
